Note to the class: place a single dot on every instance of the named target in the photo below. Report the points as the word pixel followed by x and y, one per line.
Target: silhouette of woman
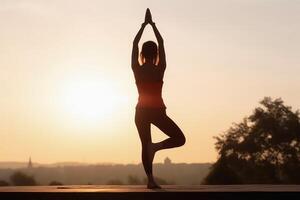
pixel 150 108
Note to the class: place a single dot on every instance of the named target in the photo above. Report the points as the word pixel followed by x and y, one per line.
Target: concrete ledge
pixel 203 192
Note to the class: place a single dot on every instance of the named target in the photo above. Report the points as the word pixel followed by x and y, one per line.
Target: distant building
pixel 167 161
pixel 30 163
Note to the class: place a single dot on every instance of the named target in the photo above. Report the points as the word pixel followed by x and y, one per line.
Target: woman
pixel 151 108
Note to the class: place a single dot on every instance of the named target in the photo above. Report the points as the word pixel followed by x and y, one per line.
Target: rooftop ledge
pixel 203 192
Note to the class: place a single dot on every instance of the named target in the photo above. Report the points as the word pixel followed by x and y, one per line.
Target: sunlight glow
pixel 91 100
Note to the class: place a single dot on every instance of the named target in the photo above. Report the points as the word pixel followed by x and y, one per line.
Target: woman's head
pixel 149 52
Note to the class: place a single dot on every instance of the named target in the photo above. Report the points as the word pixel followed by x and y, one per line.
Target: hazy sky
pixel 67 92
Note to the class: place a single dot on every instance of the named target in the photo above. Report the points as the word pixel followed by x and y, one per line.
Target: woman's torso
pixel 149 81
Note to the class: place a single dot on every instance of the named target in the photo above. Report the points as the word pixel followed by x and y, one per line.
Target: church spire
pixel 30 163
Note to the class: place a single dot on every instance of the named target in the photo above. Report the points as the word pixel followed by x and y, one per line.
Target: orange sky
pixel 68 93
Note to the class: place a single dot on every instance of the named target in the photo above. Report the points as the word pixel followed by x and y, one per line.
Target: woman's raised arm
pixel 161 49
pixel 135 48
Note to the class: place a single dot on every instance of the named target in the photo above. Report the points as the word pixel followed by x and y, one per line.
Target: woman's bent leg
pixel 170 128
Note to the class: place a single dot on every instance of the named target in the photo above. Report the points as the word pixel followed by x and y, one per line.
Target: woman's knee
pixel 181 140
pixel 179 136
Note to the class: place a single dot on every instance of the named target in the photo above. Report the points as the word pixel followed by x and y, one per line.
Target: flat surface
pixel 142 188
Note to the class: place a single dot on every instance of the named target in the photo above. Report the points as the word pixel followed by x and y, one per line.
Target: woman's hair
pixel 149 52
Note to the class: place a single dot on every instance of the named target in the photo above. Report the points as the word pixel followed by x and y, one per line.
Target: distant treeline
pixel 180 173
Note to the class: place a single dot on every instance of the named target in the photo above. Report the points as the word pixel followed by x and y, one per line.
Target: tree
pixel 263 148
pixel 22 179
pixel 55 183
pixel 114 182
pixel 3 183
pixel 134 180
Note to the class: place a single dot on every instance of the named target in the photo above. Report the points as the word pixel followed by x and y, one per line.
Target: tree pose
pixel 150 108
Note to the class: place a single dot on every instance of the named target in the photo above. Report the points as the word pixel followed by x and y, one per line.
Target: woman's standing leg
pixel 144 128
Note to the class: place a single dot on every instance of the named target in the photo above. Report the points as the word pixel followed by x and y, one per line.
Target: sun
pixel 91 100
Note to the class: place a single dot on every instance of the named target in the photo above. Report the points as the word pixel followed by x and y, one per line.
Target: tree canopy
pixel 263 148
pixel 21 179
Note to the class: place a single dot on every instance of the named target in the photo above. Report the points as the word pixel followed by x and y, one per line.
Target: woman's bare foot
pixel 153 185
